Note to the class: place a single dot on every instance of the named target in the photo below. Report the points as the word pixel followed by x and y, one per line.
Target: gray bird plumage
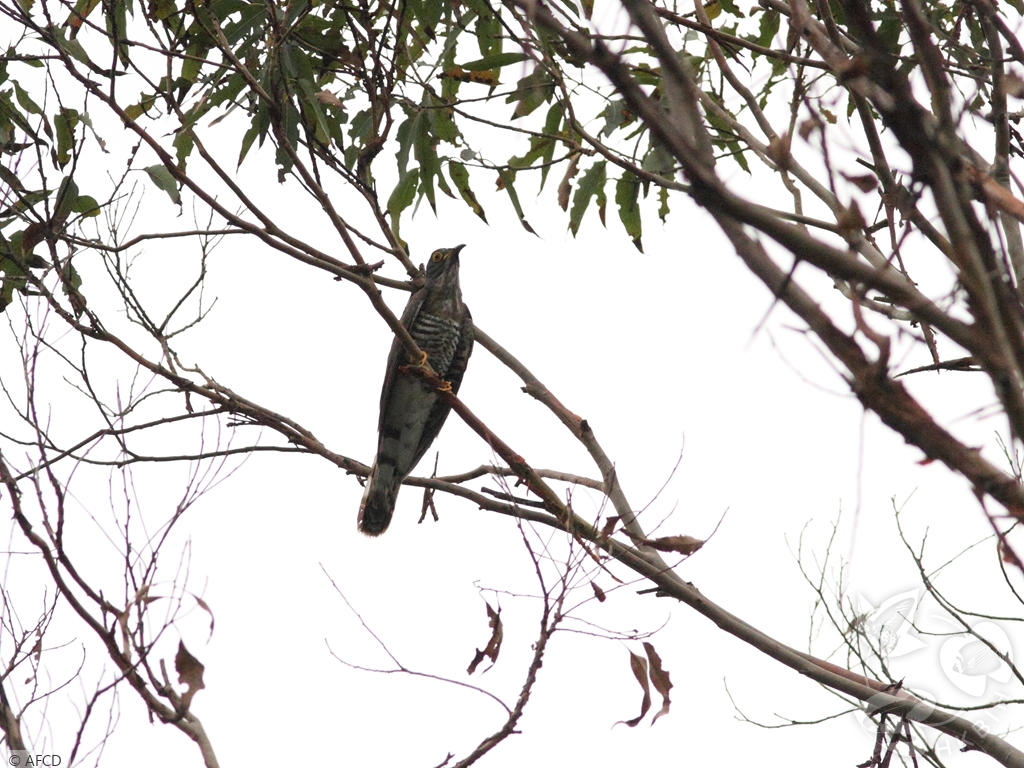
pixel 411 411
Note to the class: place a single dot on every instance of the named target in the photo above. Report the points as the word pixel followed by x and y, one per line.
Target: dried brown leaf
pixel 864 182
pixel 778 151
pixel 639 666
pixel 485 76
pixel 660 679
pixel 850 220
pixel 684 545
pixel 1014 85
pixel 190 673
pixel 609 527
pixel 807 127
pixel 856 67
pixel 202 604
pixel 122 622
pixel 326 97
pixel 598 592
pixel 493 644
pixel 565 186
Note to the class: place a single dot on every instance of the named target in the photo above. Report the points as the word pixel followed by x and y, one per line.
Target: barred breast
pixel 438 337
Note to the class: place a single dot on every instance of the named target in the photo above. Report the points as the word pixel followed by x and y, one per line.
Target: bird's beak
pixel 457 248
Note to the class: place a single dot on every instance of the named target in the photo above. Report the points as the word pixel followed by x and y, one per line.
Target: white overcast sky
pixel 662 352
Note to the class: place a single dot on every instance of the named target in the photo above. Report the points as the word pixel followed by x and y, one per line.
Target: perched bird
pixel 411 411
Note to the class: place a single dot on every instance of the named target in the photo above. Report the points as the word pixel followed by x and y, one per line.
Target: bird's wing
pixel 398 356
pixel 462 352
pixel 456 369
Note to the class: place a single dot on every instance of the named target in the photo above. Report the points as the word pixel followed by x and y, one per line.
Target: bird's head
pixel 444 264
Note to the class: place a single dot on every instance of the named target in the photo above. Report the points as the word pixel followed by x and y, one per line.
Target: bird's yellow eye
pixel 437 255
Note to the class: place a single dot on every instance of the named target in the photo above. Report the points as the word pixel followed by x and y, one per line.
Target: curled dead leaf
pixel 660 679
pixel 493 644
pixel 598 592
pixel 565 186
pixel 639 666
pixel 202 604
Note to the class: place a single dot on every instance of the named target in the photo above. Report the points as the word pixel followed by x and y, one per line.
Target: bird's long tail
pixel 378 503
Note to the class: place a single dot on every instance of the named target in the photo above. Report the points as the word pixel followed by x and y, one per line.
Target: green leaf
pixel 460 178
pixel 889 32
pixel 247 140
pixel 539 146
pixel 506 181
pixel 163 179
pixel 67 194
pixel 627 194
pixel 312 111
pixel 184 142
pixel 531 91
pixel 26 102
pixel 161 9
pixel 425 150
pixel 738 155
pixel 86 205
pixel 442 122
pixel 404 136
pixel 193 61
pixel 590 186
pixel 488 33
pixel 10 283
pixel 552 127
pixel 768 28
pixel 71 47
pixel 135 111
pixel 614 116
pixel 13 114
pixel 402 196
pixel 250 20
pixel 65 121
pixel 117 25
pixel 11 179
pixel 495 61
pixel 73 280
pixel 21 256
pixel 294 10
pixel 25 202
pixel 644 75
